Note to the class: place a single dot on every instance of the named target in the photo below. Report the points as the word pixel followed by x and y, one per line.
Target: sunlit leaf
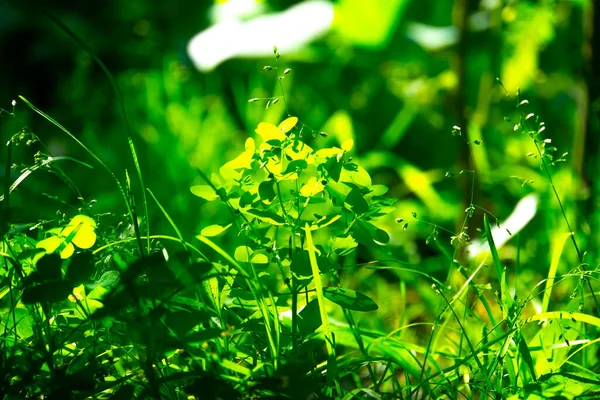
pixel 312 187
pixel 269 132
pixel 81 231
pixel 324 221
pixel 259 259
pixel 52 243
pixel 286 125
pixel 267 216
pixel 349 299
pixel 243 253
pixel 204 191
pixel 358 176
pixel 348 145
pixel 342 245
pixel 214 230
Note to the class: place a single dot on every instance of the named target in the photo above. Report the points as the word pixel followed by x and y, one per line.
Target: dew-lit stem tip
pixel 253 100
pixel 287 71
pixel 267 68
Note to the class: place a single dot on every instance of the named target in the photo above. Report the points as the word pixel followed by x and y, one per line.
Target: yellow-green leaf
pixel 204 191
pixel 83 227
pixel 242 254
pixel 348 145
pixel 312 187
pixel 52 243
pixel 214 230
pixel 360 177
pixel 270 132
pixel 260 259
pixel 286 125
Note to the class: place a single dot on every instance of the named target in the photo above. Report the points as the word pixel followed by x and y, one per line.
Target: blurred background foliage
pixel 395 75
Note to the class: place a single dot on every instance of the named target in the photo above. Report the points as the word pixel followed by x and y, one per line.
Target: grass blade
pixel 557 246
pixel 123 110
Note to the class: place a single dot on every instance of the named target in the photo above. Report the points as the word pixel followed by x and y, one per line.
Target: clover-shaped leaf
pixel 79 232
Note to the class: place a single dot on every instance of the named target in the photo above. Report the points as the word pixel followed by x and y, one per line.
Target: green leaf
pixel 260 259
pixel 81 267
pixel 356 174
pixel 349 299
pixel 266 191
pixel 214 230
pixel 267 216
pixel 247 199
pixel 107 279
pixel 204 191
pixel 378 190
pixel 567 385
pixel 203 335
pixel 526 354
pixel 342 245
pixel 333 168
pixel 181 322
pixel 243 254
pixel 493 250
pixel 30 254
pixel 309 319
pixel 158 271
pixel 24 322
pixel 125 392
pixel 324 221
pixel 357 202
pixel 48 268
pixel 500 271
pixel 301 264
pixel 295 166
pixel 51 292
pixel 369 235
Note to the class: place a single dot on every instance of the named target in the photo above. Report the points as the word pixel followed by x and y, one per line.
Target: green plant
pixel 251 323
pixel 271 300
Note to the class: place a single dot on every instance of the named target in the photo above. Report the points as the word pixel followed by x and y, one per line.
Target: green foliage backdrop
pixel 458 109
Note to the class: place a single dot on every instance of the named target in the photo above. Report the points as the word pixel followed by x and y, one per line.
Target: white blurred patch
pixel 289 30
pixel 235 9
pixel 523 213
pixel 432 37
